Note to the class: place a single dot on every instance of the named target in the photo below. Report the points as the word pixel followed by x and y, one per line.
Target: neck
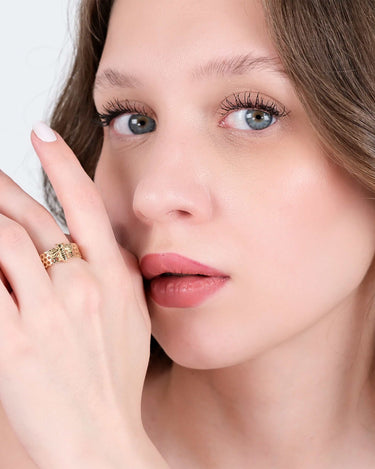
pixel 300 401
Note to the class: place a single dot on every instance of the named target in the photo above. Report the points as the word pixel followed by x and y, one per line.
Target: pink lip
pixel 176 281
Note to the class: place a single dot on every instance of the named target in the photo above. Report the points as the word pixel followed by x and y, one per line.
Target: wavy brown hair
pixel 74 115
pixel 327 48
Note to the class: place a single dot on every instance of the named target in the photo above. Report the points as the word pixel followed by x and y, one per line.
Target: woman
pixel 233 179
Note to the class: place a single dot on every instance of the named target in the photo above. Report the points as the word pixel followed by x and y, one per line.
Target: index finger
pixel 85 213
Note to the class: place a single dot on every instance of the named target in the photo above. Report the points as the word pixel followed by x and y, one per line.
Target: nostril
pixel 180 213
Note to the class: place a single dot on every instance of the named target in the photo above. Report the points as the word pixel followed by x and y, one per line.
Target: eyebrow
pixel 220 67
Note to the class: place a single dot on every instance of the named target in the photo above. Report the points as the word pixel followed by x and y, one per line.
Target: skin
pixel 68 341
pixel 274 368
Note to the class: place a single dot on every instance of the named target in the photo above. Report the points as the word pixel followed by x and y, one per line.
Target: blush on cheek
pixel 310 238
pixel 328 226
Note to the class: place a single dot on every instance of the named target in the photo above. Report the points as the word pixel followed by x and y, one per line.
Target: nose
pixel 172 186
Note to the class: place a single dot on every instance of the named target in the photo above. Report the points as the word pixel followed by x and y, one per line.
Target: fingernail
pixel 44 132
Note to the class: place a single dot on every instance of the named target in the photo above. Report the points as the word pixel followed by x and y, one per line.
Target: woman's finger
pixel 27 212
pixel 9 322
pixel 85 213
pixel 22 267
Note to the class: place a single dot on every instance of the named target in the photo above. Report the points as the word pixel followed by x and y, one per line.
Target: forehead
pixel 176 32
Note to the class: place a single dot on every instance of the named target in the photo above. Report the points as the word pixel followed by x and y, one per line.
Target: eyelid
pixel 252 100
pixel 117 107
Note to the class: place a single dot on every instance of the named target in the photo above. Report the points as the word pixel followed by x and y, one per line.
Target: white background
pixel 36 44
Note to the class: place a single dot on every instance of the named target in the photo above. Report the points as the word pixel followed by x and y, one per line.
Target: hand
pixel 74 339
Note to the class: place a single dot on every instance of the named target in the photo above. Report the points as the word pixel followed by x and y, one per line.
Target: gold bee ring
pixel 60 253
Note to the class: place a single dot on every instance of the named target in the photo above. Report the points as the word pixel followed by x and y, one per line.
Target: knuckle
pixel 88 295
pixel 79 278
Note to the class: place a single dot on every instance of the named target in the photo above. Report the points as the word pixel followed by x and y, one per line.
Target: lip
pixel 173 280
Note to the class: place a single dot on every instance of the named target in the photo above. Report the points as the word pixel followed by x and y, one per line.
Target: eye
pixel 133 124
pixel 254 119
pixel 251 110
pixel 126 118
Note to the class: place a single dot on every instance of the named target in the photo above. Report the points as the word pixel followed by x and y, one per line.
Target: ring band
pixel 60 253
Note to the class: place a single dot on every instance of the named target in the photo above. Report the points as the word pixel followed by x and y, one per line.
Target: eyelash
pixel 115 107
pixel 247 101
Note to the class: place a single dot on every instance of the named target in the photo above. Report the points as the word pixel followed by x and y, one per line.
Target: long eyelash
pixel 247 101
pixel 115 108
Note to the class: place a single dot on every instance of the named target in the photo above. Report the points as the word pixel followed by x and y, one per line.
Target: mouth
pixel 170 274
pixel 175 281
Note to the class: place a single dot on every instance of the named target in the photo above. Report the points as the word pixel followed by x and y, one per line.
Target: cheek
pixel 308 243
pixel 300 245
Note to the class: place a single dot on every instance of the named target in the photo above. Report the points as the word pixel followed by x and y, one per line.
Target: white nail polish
pixel 44 132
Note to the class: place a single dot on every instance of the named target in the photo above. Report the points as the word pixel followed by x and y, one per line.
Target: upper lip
pixel 154 265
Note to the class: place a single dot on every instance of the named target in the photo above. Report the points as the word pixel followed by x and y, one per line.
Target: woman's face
pixel 246 191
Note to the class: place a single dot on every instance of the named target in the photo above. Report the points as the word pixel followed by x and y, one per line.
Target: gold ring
pixel 60 253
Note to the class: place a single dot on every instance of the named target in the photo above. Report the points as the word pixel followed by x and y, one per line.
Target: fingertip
pixel 43 132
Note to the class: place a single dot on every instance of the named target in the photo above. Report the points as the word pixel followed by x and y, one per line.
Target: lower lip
pixel 184 292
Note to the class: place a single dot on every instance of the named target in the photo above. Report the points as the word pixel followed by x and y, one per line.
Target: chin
pixel 201 348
